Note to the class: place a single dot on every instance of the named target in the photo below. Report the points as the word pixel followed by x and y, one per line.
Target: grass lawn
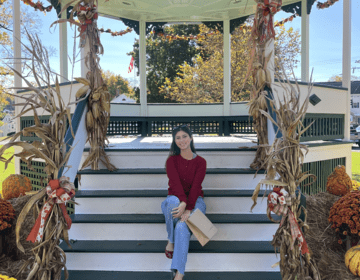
pixel 10 169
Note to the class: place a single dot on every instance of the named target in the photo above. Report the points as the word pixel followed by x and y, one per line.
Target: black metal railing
pixel 325 127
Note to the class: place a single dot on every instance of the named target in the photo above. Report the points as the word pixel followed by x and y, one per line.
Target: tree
pixel 117 84
pixel 337 78
pixel 163 59
pixel 202 82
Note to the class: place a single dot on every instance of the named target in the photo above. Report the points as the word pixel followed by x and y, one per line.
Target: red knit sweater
pixel 185 178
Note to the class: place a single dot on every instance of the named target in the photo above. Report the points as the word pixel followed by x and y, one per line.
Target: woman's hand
pixel 185 216
pixel 178 211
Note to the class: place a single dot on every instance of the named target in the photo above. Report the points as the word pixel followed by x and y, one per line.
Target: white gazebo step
pixel 127 231
pixel 156 159
pixel 238 262
pixel 116 181
pixel 152 205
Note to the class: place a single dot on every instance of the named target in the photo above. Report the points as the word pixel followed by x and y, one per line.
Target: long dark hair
pixel 174 149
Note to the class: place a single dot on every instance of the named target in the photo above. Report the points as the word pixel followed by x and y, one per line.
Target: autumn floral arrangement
pixel 355 185
pixel 15 185
pixel 4 277
pixel 7 214
pixel 339 182
pixel 345 217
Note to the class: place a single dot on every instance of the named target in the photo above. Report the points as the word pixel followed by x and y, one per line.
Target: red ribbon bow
pixel 269 9
pixel 279 202
pixel 59 191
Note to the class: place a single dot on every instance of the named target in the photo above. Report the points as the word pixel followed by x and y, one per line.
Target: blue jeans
pixel 178 232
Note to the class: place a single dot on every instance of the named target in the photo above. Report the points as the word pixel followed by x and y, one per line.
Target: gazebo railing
pixel 325 127
pixel 146 126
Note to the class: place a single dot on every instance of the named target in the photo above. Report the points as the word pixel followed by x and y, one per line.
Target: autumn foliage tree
pixel 117 84
pixel 202 82
pixel 163 59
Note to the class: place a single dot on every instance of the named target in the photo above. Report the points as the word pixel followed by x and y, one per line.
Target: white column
pixel 17 67
pixel 227 67
pixel 270 47
pixel 346 66
pixel 63 49
pixel 305 46
pixel 142 56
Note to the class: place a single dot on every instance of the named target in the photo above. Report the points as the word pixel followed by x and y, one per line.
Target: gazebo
pixel 242 248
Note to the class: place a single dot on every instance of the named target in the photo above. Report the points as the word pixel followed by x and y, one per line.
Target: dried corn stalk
pixel 285 159
pixel 49 259
pixel 98 116
pixel 261 77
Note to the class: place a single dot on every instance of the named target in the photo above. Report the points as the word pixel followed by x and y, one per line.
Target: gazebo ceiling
pixel 178 10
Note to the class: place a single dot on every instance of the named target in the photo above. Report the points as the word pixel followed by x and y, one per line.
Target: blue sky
pixel 325 42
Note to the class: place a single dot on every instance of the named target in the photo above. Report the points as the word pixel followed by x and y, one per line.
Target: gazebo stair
pixel 119 231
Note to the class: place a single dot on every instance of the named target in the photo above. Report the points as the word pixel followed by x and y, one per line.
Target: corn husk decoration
pixel 284 169
pixel 98 116
pixel 49 259
pixel 262 33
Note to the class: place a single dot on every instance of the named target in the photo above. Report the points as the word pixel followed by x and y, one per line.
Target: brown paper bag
pixel 201 227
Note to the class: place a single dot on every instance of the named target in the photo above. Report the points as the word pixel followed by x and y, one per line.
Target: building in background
pixel 122 98
pixel 9 124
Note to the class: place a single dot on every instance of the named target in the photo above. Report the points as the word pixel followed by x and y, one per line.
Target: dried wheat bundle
pixel 98 115
pixel 49 259
pixel 285 159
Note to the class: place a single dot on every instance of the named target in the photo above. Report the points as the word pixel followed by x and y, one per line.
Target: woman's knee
pixel 182 227
pixel 173 200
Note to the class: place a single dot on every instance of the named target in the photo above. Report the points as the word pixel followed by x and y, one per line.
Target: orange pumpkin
pixel 339 182
pixel 15 185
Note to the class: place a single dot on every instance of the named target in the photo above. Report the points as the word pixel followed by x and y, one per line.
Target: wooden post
pixel 304 42
pixel 346 64
pixel 63 49
pixel 227 68
pixel 17 67
pixel 142 55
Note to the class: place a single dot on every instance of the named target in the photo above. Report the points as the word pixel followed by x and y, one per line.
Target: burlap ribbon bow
pixel 279 202
pixel 269 9
pixel 59 191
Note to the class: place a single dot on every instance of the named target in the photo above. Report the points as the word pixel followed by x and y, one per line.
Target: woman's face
pixel 183 140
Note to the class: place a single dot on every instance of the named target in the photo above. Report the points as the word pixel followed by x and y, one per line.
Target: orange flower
pixel 340 242
pixel 345 232
pixel 337 230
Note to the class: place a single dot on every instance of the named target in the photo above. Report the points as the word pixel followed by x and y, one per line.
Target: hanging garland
pixel 182 37
pixel 116 33
pixel 37 6
pixel 325 5
pixel 286 20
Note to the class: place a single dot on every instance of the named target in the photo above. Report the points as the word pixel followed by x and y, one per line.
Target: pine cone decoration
pixel 339 182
